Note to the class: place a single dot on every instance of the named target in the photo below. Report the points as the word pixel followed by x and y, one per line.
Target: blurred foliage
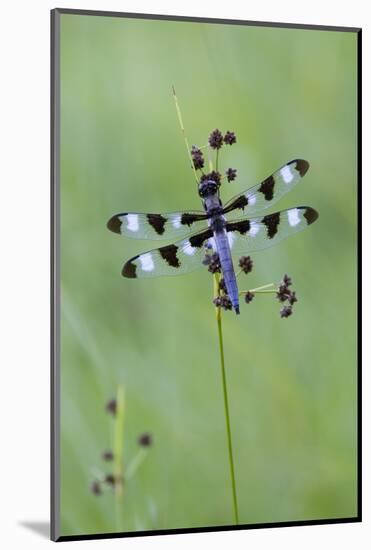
pixel 292 383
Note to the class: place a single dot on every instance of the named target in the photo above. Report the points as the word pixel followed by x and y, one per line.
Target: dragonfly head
pixel 207 188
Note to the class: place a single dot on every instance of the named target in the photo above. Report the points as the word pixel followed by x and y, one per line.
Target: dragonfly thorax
pixel 207 188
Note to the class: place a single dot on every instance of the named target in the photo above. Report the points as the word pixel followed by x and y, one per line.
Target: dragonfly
pixel 199 234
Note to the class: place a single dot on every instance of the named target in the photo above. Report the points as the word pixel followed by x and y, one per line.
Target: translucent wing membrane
pixel 265 194
pixel 174 259
pixel 244 236
pixel 247 236
pixel 169 226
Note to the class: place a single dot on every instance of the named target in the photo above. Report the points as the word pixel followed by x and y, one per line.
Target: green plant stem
pixel 265 289
pixel 225 395
pixel 220 331
pixel 179 113
pixel 118 454
pixel 257 289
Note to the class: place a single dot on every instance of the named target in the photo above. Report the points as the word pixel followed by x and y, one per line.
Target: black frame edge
pixel 217 528
pixel 52 420
pixel 54 276
pixel 196 19
pixel 359 272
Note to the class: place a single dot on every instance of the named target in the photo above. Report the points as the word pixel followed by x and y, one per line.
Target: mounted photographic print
pixel 205 212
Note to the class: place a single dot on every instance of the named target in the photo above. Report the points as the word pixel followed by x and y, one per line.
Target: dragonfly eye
pixel 207 188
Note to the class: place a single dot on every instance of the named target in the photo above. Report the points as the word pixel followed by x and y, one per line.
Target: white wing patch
pixel 252 199
pixel 254 229
pixel 286 174
pixel 133 222
pixel 293 217
pixel 176 222
pixel 146 262
pixel 231 238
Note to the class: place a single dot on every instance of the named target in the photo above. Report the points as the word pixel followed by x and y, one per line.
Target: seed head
pixel 110 479
pixel 286 311
pixel 197 157
pixel 249 296
pixel 229 138
pixel 213 262
pixel 145 440
pixel 231 174
pixel 223 302
pixel 107 455
pixel 216 139
pixel 283 293
pixel 111 406
pixel 246 264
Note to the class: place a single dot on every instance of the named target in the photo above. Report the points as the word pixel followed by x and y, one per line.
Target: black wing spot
pixel 130 270
pixel 114 224
pixel 310 215
pixel 169 253
pixel 157 222
pixel 267 188
pixel 242 227
pixel 189 219
pixel 239 202
pixel 198 240
pixel 301 166
pixel 271 222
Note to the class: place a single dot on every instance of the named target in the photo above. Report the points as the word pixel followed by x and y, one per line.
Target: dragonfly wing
pixel 171 225
pixel 251 235
pixel 178 258
pixel 265 194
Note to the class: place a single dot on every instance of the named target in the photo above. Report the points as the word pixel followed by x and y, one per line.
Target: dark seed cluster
pixel 111 406
pixel 107 456
pixel 216 139
pixel 223 301
pixel 231 174
pixel 249 296
pixel 246 264
pixel 285 294
pixel 212 262
pixel 230 138
pixel 109 480
pixel 286 311
pixel 145 440
pixel 197 158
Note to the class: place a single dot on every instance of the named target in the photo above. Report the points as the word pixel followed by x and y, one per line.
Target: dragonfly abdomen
pixel 225 257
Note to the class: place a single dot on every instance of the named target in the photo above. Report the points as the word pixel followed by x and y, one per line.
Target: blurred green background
pixel 292 383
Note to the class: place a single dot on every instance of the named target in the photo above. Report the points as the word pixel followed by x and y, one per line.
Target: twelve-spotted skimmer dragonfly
pixel 211 231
